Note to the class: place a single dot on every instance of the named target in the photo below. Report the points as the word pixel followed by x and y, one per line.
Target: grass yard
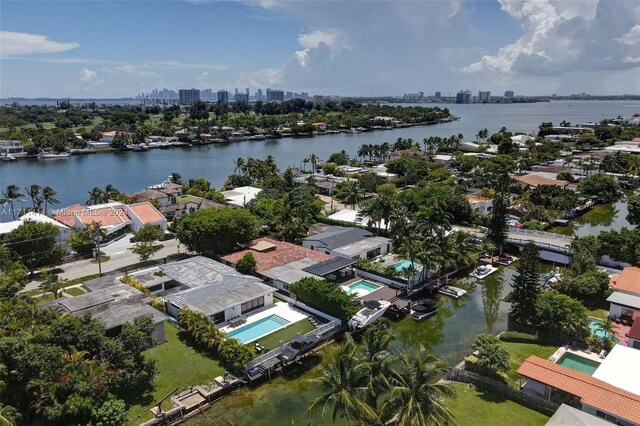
pixel 474 407
pixel 102 259
pixel 75 291
pixel 47 297
pixel 521 351
pixel 272 341
pixel 598 313
pixel 179 365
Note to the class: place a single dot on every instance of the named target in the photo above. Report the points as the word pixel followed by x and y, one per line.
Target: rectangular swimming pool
pixel 578 363
pixel 361 288
pixel 260 328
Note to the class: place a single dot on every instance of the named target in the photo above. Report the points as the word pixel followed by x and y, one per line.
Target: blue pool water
pixel 594 326
pixel 405 264
pixel 267 325
pixel 365 287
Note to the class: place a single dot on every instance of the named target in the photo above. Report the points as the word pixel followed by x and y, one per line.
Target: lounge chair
pixel 589 349
pixel 602 353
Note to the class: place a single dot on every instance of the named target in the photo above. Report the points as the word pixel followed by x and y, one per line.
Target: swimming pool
pixel 255 330
pixel 405 264
pixel 578 363
pixel 361 288
pixel 594 326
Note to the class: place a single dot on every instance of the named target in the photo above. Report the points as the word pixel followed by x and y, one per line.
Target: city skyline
pixel 117 49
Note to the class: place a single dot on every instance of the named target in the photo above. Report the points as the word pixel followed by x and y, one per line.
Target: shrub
pixel 325 296
pixel 517 337
pixel 247 264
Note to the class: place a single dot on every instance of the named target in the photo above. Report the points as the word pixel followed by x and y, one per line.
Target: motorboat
pixel 506 259
pixel 50 156
pixel 483 271
pixel 423 308
pixel 552 278
pixel 372 311
pixel 454 292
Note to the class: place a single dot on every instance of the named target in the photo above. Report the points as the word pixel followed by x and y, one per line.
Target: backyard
pixel 179 365
pixel 272 341
pixel 472 406
pixel 521 351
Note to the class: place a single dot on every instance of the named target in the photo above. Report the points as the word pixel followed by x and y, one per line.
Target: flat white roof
pixel 241 195
pixel 7 227
pixel 620 369
pixel 349 215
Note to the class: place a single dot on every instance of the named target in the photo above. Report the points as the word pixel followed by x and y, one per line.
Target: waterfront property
pixel 64 232
pixel 112 217
pixel 625 299
pixel 361 288
pixel 214 289
pixel 578 363
pixel 620 369
pixel 111 303
pixel 353 243
pixel 11 149
pixel 241 196
pixel 533 180
pixel 279 263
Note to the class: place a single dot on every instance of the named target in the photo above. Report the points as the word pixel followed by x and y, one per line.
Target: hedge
pixel 517 337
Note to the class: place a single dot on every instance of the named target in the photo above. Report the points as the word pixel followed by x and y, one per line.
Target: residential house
pixel 12 148
pixel 64 231
pixel 279 263
pixel 112 217
pixel 108 136
pixel 214 289
pixel 534 180
pixel 625 299
pixel 112 304
pixel 241 196
pixel 481 205
pixel 353 243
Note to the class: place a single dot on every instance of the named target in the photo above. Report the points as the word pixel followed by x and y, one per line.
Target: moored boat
pixel 50 156
pixel 451 291
pixel 483 271
pixel 372 311
pixel 423 308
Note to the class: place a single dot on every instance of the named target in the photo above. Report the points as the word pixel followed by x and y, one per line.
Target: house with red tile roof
pixel 550 381
pixel 533 181
pixel 625 299
pixel 279 263
pixel 633 335
pixel 112 217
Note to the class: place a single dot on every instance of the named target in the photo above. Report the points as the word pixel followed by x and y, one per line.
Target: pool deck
pixel 283 310
pixel 569 349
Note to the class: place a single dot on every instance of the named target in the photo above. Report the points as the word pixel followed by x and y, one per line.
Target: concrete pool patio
pixel 281 309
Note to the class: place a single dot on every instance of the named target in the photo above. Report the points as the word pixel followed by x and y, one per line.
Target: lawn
pixel 272 341
pixel 521 351
pixel 179 365
pixel 47 297
pixel 598 313
pixel 75 291
pixel 471 407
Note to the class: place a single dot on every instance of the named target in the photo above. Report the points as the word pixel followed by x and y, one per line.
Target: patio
pixel 281 309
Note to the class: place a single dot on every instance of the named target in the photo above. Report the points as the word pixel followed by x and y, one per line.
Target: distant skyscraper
pixel 484 97
pixel 304 95
pixel 508 94
pixel 188 96
pixel 275 95
pixel 288 95
pixel 223 96
pixel 463 97
pixel 242 98
pixel 438 95
pixel 259 95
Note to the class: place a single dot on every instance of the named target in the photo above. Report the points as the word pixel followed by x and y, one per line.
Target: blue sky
pixel 120 48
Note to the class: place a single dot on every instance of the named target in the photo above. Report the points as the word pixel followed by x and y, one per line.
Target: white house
pixel 625 299
pixel 64 231
pixel 242 195
pixel 352 243
pixel 108 136
pixel 11 148
pixel 481 205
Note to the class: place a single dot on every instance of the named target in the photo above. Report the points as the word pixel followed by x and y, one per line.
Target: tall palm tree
pixel 313 159
pixel 49 197
pixel 10 194
pixel 343 385
pixel 415 398
pixel 239 165
pixel 111 193
pixel 363 151
pixel 97 234
pixel 34 192
pixel 351 193
pixel 96 196
pixel 9 416
pixel 608 328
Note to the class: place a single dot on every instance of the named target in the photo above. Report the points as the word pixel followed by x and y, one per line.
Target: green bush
pixel 517 337
pixel 325 296
pixel 247 264
pixel 471 364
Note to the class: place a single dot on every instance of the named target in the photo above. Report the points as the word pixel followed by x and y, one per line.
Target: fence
pixel 504 390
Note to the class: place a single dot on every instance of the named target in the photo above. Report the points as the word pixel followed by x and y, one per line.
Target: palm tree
pixel 11 194
pixel 633 167
pixel 34 192
pixel 49 197
pixel 9 416
pixel 415 397
pixel 97 234
pixel 343 384
pixel 351 193
pixel 385 149
pixel 313 159
pixel 96 196
pixel 239 165
pixel 111 193
pixel 607 327
pixel 363 151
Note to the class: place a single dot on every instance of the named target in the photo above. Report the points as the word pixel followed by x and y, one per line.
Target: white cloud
pixel 632 38
pixel 266 77
pixel 20 44
pixel 332 37
pixel 89 79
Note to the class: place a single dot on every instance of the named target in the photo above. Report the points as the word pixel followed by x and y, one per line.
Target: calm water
pixel 603 217
pixel 449 334
pixel 132 171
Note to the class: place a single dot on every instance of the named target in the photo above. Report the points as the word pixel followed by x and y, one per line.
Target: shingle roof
pixel 151 194
pixel 628 280
pixel 591 391
pixel 634 331
pixel 282 254
pixel 566 415
pixel 339 236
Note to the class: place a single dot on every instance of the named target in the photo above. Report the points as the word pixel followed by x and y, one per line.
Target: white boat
pixel 372 311
pixel 483 271
pixel 422 309
pixel 49 156
pixel 454 292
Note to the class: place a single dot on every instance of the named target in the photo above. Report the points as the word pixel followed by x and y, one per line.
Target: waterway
pixel 603 217
pixel 132 171
pixel 449 334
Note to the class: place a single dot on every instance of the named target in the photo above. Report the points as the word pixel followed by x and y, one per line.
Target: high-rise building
pixel 484 97
pixel 438 95
pixel 508 94
pixel 246 92
pixel 288 95
pixel 259 95
pixel 188 96
pixel 242 98
pixel 275 95
pixel 304 95
pixel 207 94
pixel 463 97
pixel 413 97
pixel 223 96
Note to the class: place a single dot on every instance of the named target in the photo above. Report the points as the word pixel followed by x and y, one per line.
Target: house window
pixel 218 318
pixel 373 253
pixel 252 305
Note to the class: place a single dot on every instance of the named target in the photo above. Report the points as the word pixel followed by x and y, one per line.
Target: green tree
pixel 599 185
pixel 492 358
pixel 633 205
pixel 350 193
pixel 498 228
pixel 113 412
pixel 146 238
pixel 96 234
pixel 218 231
pixel 10 195
pixel 557 313
pixel 96 196
pixel 526 286
pixel 340 158
pixel 247 264
pixel 326 296
pixel 368 181
pixel 35 244
pixel 49 197
pixel 35 193
pixel 592 285
pixel 13 274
